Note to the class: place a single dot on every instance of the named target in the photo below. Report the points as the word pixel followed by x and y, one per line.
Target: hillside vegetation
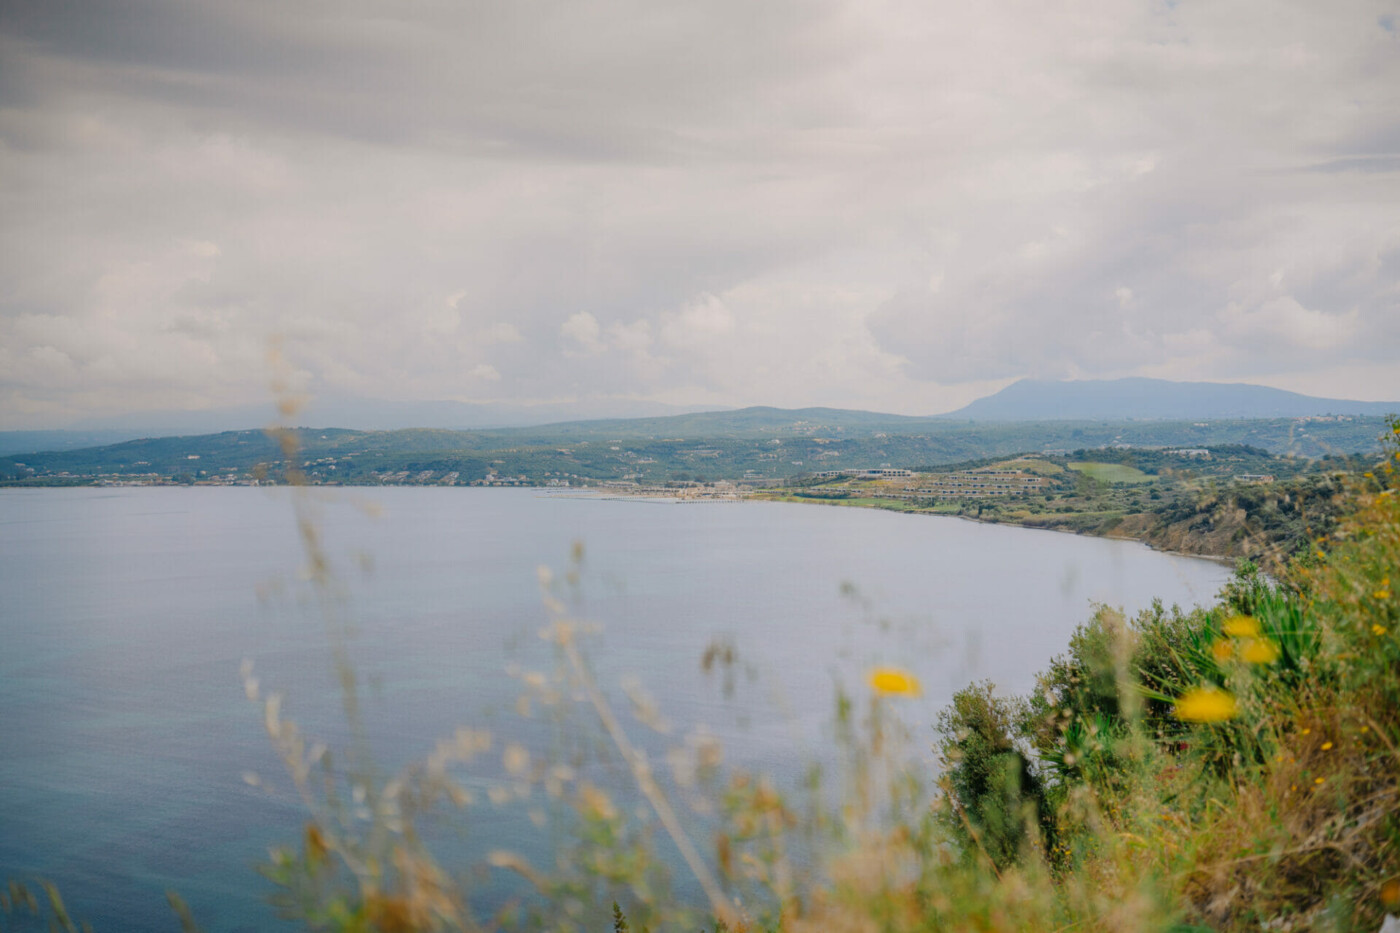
pixel 757 446
pixel 1228 501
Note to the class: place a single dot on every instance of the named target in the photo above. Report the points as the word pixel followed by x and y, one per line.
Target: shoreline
pixel 605 494
pixel 1228 559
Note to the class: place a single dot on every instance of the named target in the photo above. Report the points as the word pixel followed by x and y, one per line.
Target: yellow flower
pixel 1326 746
pixel 1206 704
pixel 893 681
pixel 595 803
pixel 1378 630
pixel 1259 651
pixel 1223 650
pixel 1318 780
pixel 1241 626
pixel 1381 594
pixel 1390 891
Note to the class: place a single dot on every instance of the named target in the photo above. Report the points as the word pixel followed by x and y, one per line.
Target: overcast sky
pixel 888 205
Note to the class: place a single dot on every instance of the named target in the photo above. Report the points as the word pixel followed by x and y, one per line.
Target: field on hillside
pixel 1111 472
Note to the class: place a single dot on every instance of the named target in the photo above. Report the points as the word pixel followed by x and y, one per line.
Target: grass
pixel 1111 472
pixel 1031 465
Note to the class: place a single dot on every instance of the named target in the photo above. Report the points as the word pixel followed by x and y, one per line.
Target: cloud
pixel 486 372
pixel 886 204
pixel 581 334
pixel 1285 321
pixel 703 320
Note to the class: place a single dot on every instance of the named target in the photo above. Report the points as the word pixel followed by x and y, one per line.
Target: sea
pixel 133 621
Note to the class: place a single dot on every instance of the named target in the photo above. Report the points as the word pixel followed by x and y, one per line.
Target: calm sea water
pixel 126 613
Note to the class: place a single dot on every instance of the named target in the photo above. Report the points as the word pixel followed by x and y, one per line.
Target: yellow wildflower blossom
pixel 595 803
pixel 1241 626
pixel 1223 651
pixel 893 681
pixel 1259 651
pixel 1378 630
pixel 1206 704
pixel 1326 746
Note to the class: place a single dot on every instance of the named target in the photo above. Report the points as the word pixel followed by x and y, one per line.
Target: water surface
pixel 127 612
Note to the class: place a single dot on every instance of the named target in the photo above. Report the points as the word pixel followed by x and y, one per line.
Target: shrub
pixel 997 799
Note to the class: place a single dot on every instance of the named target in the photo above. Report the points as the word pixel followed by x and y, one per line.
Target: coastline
pixel 1139 526
pixel 1142 538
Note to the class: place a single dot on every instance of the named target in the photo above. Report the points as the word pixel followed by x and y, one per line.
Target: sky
pixel 897 206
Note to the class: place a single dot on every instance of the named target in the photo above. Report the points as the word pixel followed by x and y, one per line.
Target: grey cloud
pixel 542 79
pixel 880 203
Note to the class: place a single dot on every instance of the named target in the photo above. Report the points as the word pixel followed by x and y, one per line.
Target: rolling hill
pixel 1153 400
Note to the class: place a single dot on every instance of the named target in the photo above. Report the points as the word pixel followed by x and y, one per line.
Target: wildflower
pixel 893 681
pixel 595 803
pixel 1378 630
pixel 1259 651
pixel 1318 780
pixel 1326 746
pixel 516 759
pixel 1238 626
pixel 315 844
pixel 1206 704
pixel 1222 650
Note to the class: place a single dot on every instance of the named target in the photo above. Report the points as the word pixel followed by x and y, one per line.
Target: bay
pixel 127 612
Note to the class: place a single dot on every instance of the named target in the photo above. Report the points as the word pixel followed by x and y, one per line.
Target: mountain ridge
pixel 1142 399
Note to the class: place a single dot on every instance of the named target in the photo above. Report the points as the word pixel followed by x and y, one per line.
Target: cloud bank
pixel 892 205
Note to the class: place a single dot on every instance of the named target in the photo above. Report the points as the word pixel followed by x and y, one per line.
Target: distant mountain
pixel 742 422
pixel 19 442
pixel 1153 399
pixel 368 414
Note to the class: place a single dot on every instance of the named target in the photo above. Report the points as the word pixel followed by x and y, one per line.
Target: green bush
pixel 997 799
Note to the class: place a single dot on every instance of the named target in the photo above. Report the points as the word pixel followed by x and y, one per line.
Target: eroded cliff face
pixel 1220 528
pixel 1223 531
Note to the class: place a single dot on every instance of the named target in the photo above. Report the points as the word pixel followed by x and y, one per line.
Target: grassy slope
pixel 1111 472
